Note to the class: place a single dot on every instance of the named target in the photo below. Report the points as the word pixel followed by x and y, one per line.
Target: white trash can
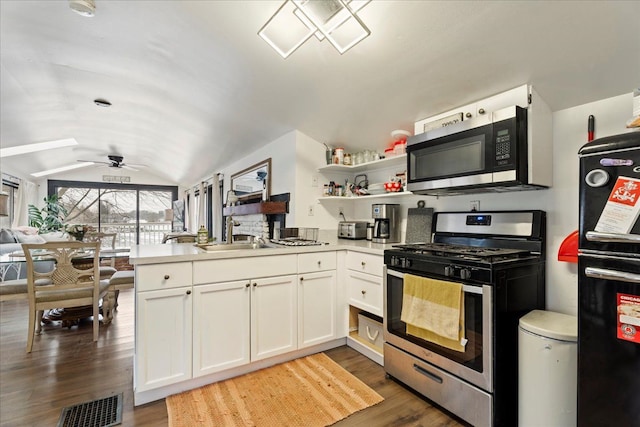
pixel 547 369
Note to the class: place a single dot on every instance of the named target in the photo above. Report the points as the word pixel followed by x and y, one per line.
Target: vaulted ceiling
pixel 193 88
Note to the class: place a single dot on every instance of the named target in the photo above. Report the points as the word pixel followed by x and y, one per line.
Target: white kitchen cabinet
pixel 364 279
pixel 221 326
pixel 517 96
pixel 317 298
pixel 274 325
pixel 163 325
pixel 163 337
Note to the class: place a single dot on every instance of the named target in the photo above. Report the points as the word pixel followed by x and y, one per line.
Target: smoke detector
pixel 83 7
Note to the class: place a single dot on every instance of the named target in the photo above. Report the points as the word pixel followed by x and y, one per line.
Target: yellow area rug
pixel 310 391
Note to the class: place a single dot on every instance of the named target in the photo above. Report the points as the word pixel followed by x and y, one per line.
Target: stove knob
pixel 465 274
pixel 448 271
pixel 406 263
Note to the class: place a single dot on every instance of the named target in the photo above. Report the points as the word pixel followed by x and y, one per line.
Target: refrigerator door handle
pixel 603 273
pixel 597 236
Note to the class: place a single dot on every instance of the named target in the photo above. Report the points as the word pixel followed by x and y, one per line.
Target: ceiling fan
pixel 116 161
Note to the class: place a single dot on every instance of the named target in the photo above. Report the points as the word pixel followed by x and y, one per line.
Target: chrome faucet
pixel 230 223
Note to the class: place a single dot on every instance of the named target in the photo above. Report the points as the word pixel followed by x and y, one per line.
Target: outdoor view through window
pixel 137 215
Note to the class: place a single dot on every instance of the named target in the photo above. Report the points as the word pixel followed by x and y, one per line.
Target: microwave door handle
pixel 606 274
pixel 597 236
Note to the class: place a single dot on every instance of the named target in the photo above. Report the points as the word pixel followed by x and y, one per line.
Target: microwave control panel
pixel 503 146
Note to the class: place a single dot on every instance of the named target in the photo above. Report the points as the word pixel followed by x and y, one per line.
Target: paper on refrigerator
pixel 623 206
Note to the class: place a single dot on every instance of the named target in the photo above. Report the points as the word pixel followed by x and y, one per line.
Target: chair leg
pixel 115 303
pixel 39 314
pixel 31 331
pixel 96 320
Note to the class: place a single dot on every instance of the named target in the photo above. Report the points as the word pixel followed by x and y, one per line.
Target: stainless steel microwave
pixel 491 153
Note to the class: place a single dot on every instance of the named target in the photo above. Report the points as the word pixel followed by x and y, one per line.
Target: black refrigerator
pixel 609 282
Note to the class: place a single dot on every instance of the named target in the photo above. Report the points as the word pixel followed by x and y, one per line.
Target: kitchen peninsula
pixel 202 317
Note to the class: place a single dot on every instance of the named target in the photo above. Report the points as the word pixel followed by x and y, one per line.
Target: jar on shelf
pixel 347 159
pixel 338 156
pixel 203 235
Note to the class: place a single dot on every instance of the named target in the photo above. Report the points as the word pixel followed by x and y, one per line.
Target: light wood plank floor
pixel 67 368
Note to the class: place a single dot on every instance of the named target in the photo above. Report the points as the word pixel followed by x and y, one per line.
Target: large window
pixel 137 213
pixel 9 188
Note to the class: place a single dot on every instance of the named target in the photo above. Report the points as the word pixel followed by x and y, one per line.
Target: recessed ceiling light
pixel 102 102
pixel 83 7
pixel 62 169
pixel 40 146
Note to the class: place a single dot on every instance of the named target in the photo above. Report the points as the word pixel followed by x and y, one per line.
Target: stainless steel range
pixel 498 258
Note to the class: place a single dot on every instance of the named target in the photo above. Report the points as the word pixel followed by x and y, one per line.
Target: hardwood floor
pixel 67 368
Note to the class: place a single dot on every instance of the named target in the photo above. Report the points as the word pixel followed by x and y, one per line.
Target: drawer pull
pixel 166 277
pixel 363 292
pixel 188 292
pixel 363 264
pixel 301 279
pixel 374 336
pixel 427 374
pixel 319 263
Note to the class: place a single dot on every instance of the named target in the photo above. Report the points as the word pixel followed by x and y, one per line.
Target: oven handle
pixel 465 288
pixel 427 374
pixel 603 273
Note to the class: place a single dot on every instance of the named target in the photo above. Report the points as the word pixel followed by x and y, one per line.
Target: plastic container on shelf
pixel 400 147
pixel 388 152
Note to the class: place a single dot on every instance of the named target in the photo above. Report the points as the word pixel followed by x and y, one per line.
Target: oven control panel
pixel 437 269
pixel 457 271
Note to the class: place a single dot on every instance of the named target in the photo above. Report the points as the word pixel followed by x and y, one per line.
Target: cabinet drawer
pixel 365 263
pixel 224 270
pixel 365 291
pixel 163 276
pixel 317 261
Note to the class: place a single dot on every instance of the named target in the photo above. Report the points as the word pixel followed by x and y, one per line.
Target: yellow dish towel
pixel 434 311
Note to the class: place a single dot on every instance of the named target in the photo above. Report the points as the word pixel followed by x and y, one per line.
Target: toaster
pixel 354 230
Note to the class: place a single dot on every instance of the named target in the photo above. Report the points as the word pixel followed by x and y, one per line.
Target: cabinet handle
pixel 166 277
pixel 255 284
pixel 363 292
pixel 188 292
pixel 363 264
pixel 468 115
pixel 319 263
pixel 481 111
pixel 247 285
pixel 301 279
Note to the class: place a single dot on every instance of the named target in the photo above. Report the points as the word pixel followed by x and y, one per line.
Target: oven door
pixel 475 364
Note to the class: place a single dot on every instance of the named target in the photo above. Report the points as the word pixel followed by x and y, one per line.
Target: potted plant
pixel 50 218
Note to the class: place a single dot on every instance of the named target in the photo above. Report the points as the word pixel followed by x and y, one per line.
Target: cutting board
pixel 419 225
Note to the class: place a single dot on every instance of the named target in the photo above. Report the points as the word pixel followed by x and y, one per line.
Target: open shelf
pixel 398 160
pixel 256 208
pixel 372 196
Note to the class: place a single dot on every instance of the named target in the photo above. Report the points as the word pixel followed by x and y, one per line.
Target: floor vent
pixel 97 413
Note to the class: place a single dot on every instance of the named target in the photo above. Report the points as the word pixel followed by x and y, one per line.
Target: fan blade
pixel 93 161
pixel 135 165
pixel 129 167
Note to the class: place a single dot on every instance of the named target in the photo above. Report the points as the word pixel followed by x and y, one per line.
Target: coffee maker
pixel 386 226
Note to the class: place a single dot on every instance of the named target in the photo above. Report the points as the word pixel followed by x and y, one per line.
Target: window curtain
pixel 202 220
pixel 26 195
pixel 216 208
pixel 191 213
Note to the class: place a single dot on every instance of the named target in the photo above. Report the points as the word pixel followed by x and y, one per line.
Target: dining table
pixel 70 316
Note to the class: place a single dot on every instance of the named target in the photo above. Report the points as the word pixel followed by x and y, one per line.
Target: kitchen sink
pixel 231 246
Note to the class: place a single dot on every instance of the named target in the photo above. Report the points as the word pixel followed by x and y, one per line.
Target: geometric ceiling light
pixel 297 20
pixel 86 8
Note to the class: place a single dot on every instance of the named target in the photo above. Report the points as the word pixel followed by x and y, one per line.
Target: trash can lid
pixel 551 325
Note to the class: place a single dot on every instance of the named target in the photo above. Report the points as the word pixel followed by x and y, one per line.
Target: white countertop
pixel 178 252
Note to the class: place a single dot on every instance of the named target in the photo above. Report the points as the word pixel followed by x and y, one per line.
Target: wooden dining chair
pixel 107 242
pixel 65 285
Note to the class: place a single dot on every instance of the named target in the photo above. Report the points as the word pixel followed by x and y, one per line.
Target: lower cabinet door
pixel 163 338
pixel 220 326
pixel 274 328
pixel 316 308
